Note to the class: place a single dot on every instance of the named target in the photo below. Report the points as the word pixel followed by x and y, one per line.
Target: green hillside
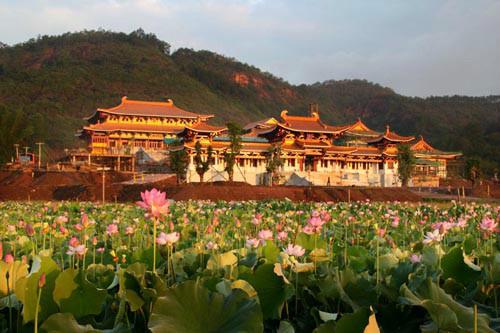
pixel 48 84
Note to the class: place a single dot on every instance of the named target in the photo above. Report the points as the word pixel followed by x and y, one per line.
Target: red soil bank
pixel 88 186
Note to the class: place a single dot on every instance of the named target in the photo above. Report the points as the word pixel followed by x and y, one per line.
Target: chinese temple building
pixel 432 164
pixel 135 131
pixel 316 153
pixel 313 152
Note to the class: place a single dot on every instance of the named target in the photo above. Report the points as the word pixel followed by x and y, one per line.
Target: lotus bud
pixel 42 281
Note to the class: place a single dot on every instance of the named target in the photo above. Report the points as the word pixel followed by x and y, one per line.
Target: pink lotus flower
pixel 381 232
pixel 61 219
pixel 314 224
pixel 9 258
pixel 79 250
pixel 461 223
pixel 282 235
pixel 308 230
pixel 30 231
pixel 265 235
pixel 78 227
pixel 257 219
pixel 129 230
pixel 112 229
pixel 325 216
pixel 164 239
pixel 415 258
pixel 488 224
pixel 395 222
pixel 63 230
pixel 433 237
pixel 100 250
pixel 154 202
pixel 85 220
pixel 252 243
pixel 295 250
pixel 74 242
pixel 212 246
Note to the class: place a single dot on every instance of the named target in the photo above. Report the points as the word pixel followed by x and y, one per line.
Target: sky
pixel 416 47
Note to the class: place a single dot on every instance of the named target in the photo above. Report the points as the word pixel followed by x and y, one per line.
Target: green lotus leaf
pixel 327 327
pixel 430 256
pixel 26 289
pixel 388 261
pixel 16 270
pixel 447 314
pixel 101 276
pixel 270 289
pixel 285 327
pixel 66 323
pixel 218 261
pixel 358 258
pixel 309 242
pixel 271 252
pixel 192 308
pixel 74 294
pixel 454 267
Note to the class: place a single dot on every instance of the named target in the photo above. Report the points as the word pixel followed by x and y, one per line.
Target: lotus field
pixel 257 266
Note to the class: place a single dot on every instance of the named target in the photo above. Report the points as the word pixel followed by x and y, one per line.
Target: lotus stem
pixel 475 318
pixel 37 307
pixel 154 245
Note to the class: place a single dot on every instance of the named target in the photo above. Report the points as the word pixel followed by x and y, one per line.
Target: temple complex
pixel 312 152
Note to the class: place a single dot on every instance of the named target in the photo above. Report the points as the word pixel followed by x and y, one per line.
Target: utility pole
pixel 16 145
pixel 39 144
pixel 103 169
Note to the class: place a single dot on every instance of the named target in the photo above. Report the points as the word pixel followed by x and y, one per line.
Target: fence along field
pixel 251 266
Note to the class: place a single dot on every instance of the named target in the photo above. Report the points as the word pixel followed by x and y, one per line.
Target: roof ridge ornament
pixel 284 114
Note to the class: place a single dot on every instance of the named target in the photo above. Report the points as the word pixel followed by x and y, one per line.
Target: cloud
pixel 420 48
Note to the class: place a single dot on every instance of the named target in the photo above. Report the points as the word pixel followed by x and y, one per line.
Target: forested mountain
pixel 48 84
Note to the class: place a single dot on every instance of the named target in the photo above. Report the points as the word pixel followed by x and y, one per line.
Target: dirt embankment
pixel 480 189
pixel 20 185
pixel 88 186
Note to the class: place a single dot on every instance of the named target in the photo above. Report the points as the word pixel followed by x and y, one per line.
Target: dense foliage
pixel 273 266
pixel 55 81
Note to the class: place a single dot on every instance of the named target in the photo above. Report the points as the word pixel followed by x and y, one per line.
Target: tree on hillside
pixel 472 169
pixel 202 165
pixel 274 163
pixel 14 128
pixel 179 163
pixel 406 162
pixel 234 132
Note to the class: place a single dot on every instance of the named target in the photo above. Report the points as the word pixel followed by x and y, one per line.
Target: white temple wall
pixel 333 174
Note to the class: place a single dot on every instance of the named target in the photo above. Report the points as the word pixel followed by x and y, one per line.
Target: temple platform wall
pixel 334 177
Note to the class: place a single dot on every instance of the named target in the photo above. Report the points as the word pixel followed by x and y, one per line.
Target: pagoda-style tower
pixel 116 134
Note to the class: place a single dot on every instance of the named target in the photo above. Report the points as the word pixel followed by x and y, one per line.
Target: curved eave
pixel 439 155
pixel 402 140
pixel 121 113
pixel 312 131
pixel 198 130
pixel 127 130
